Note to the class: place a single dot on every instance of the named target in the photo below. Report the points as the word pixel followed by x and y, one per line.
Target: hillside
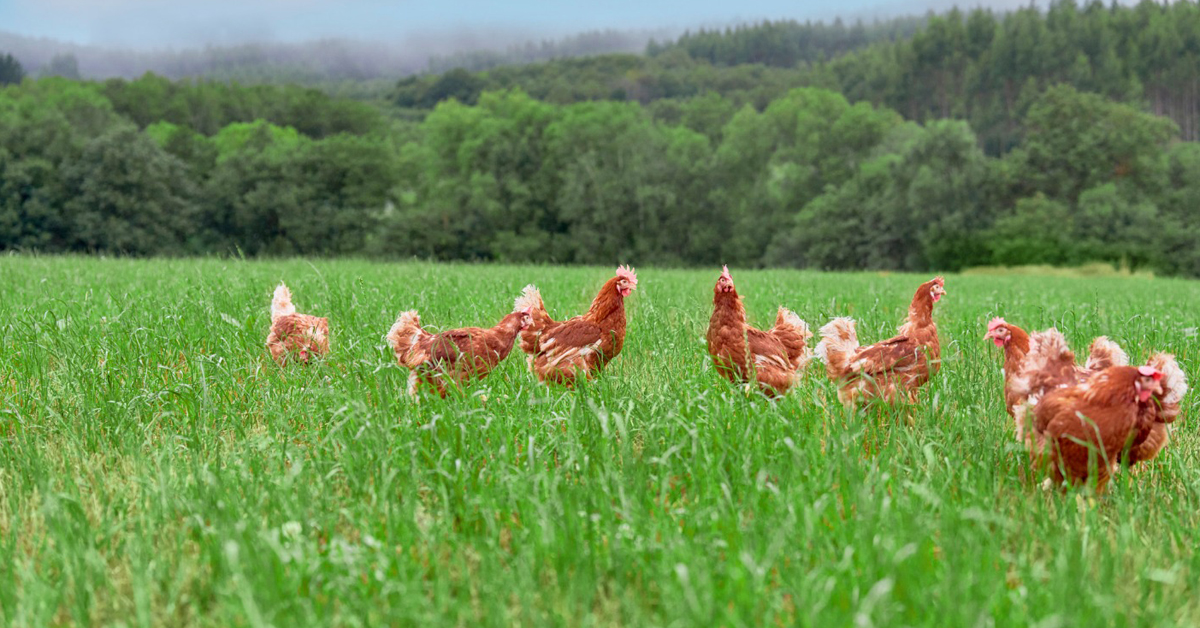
pixel 981 66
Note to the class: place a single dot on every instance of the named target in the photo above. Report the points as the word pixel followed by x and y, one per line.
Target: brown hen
pixel 453 357
pixel 1080 430
pixel 742 353
pixel 562 352
pixel 295 336
pixel 890 370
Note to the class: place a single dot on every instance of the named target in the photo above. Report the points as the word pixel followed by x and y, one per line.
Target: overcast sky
pixel 179 23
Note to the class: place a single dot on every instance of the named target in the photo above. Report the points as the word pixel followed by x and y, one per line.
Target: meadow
pixel 157 468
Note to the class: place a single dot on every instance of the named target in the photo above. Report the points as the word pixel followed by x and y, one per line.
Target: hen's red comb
pixel 996 322
pixel 627 273
pixel 1150 371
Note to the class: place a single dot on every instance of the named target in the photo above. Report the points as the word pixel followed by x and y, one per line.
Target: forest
pixel 1057 136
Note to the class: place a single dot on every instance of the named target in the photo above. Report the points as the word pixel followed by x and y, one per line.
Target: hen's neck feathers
pixel 607 303
pixel 730 302
pixel 509 326
pixel 920 313
pixel 1016 349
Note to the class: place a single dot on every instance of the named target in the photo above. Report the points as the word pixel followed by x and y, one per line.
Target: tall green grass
pixel 156 468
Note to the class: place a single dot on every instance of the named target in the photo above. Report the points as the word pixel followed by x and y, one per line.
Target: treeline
pixel 586 44
pixel 786 43
pixel 159 168
pixel 979 66
pixel 989 70
pixel 674 77
pixel 152 167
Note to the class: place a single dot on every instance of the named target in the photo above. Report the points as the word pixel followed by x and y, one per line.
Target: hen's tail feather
pixel 531 299
pixel 1174 381
pixel 404 336
pixel 1105 353
pixel 1049 363
pixel 839 341
pixel 281 303
pixel 787 319
pixel 794 333
pixel 1050 345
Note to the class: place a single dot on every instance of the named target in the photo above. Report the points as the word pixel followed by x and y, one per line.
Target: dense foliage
pixel 154 167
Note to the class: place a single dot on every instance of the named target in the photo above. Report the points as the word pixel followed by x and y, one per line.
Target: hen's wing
pixel 464 351
pixel 1056 406
pixel 766 349
pixel 895 354
pixel 1151 437
pixel 448 346
pixel 569 340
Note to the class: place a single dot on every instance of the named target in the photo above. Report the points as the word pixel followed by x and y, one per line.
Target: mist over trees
pixel 590 43
pixel 874 158
pixel 315 62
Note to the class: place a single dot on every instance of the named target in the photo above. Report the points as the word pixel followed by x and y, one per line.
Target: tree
pixel 923 203
pixel 1037 231
pixel 64 65
pixel 1077 141
pixel 127 196
pixel 11 71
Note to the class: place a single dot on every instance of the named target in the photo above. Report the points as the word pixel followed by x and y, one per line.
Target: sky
pixel 189 23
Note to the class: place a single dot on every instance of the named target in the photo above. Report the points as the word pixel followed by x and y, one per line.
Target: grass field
pixel 156 468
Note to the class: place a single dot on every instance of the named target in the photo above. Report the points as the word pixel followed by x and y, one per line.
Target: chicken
pixel 1080 430
pixel 1152 431
pixel 1049 364
pixel 561 352
pixel 453 357
pixel 742 353
pixel 890 369
pixel 1016 342
pixel 295 335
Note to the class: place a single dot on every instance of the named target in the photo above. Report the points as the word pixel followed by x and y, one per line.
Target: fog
pixel 364 39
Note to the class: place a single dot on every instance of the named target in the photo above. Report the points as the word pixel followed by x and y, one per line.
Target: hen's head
pixel 1149 382
pixel 525 318
pixel 626 281
pixel 725 281
pixel 999 332
pixel 936 287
